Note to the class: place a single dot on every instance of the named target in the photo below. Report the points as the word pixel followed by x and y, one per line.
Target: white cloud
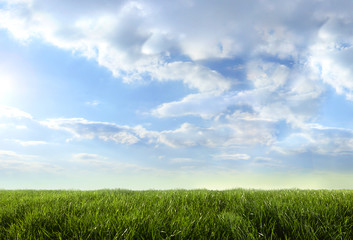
pixel 233 132
pixel 332 141
pixel 317 139
pixel 247 129
pixel 124 37
pixel 134 38
pixel 93 103
pixel 193 75
pixel 21 127
pixel 11 112
pixel 279 93
pixel 267 75
pixel 30 143
pixel 232 156
pixel 333 63
pixel 130 35
pixel 205 105
pixel 236 131
pixel 121 137
pixel 83 129
pixel 187 136
pixel 295 143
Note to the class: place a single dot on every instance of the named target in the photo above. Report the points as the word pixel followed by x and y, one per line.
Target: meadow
pixel 176 214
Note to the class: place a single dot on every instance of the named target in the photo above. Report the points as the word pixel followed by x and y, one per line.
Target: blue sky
pixel 182 94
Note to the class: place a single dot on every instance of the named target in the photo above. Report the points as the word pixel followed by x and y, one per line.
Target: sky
pixel 176 94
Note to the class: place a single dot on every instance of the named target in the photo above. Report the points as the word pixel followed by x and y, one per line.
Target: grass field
pixel 176 214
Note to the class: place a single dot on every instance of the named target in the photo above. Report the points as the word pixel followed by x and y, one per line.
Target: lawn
pixel 176 214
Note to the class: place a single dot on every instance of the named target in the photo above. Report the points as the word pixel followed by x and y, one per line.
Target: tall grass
pixel 176 214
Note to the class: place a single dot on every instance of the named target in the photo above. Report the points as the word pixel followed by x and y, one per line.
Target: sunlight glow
pixel 7 86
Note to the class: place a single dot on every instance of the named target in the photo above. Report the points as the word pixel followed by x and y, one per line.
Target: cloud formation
pixel 317 139
pixel 135 38
pixel 187 135
pixel 11 112
pixel 83 129
pixel 278 60
pixel 122 36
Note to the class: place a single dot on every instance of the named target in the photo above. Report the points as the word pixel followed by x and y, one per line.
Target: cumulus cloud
pixel 267 75
pixel 318 139
pixel 122 36
pixel 278 92
pixel 136 37
pixel 331 55
pixel 291 53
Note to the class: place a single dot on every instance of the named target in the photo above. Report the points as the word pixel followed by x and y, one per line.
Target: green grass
pixel 176 214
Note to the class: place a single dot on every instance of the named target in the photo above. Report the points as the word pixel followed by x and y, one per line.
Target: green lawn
pixel 176 214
